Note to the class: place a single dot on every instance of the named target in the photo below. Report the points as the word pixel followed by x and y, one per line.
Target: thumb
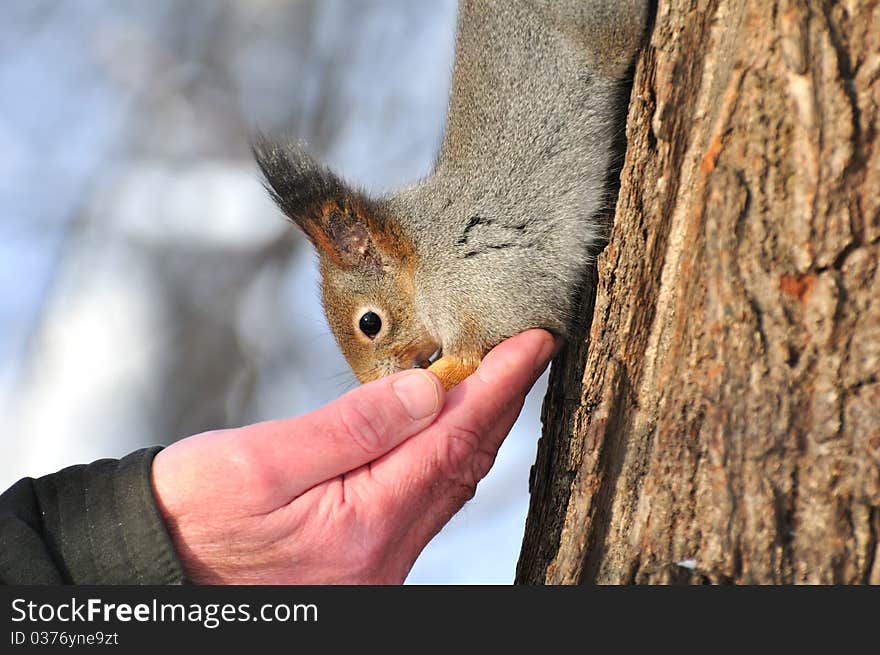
pixel 357 428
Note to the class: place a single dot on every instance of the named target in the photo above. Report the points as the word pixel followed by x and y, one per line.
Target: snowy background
pixel 150 290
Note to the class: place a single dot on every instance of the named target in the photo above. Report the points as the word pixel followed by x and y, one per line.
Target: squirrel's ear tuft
pixel 341 223
pixel 296 182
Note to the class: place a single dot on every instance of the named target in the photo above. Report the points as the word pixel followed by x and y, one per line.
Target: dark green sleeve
pixel 89 524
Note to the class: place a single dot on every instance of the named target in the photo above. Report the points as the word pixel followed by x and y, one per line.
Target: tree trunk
pixel 721 422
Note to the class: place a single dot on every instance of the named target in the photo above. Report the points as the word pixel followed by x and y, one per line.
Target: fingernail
pixel 418 394
pixel 545 354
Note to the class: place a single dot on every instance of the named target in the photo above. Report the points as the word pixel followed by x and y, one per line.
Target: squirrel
pixel 497 239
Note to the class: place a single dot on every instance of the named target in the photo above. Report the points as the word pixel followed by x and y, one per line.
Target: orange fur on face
pixel 403 342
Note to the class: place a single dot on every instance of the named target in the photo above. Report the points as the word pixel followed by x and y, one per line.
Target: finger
pixel 506 374
pixel 410 493
pixel 519 360
pixel 364 424
pixel 460 447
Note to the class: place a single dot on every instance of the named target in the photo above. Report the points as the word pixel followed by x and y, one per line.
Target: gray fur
pixel 518 205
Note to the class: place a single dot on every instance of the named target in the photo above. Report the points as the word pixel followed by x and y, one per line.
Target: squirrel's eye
pixel 370 324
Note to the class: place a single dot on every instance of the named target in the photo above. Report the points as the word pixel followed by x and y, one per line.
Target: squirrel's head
pixel 367 265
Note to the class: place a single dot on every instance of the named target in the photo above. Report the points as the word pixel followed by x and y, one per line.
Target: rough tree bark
pixel 721 423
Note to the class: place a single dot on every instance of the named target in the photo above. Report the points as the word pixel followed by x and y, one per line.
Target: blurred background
pixel 149 288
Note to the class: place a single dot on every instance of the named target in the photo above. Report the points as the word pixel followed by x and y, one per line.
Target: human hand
pixel 350 493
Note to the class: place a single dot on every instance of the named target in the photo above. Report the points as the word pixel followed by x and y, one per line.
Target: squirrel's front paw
pixel 451 370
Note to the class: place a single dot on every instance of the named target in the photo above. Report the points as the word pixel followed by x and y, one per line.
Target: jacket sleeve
pixel 90 524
